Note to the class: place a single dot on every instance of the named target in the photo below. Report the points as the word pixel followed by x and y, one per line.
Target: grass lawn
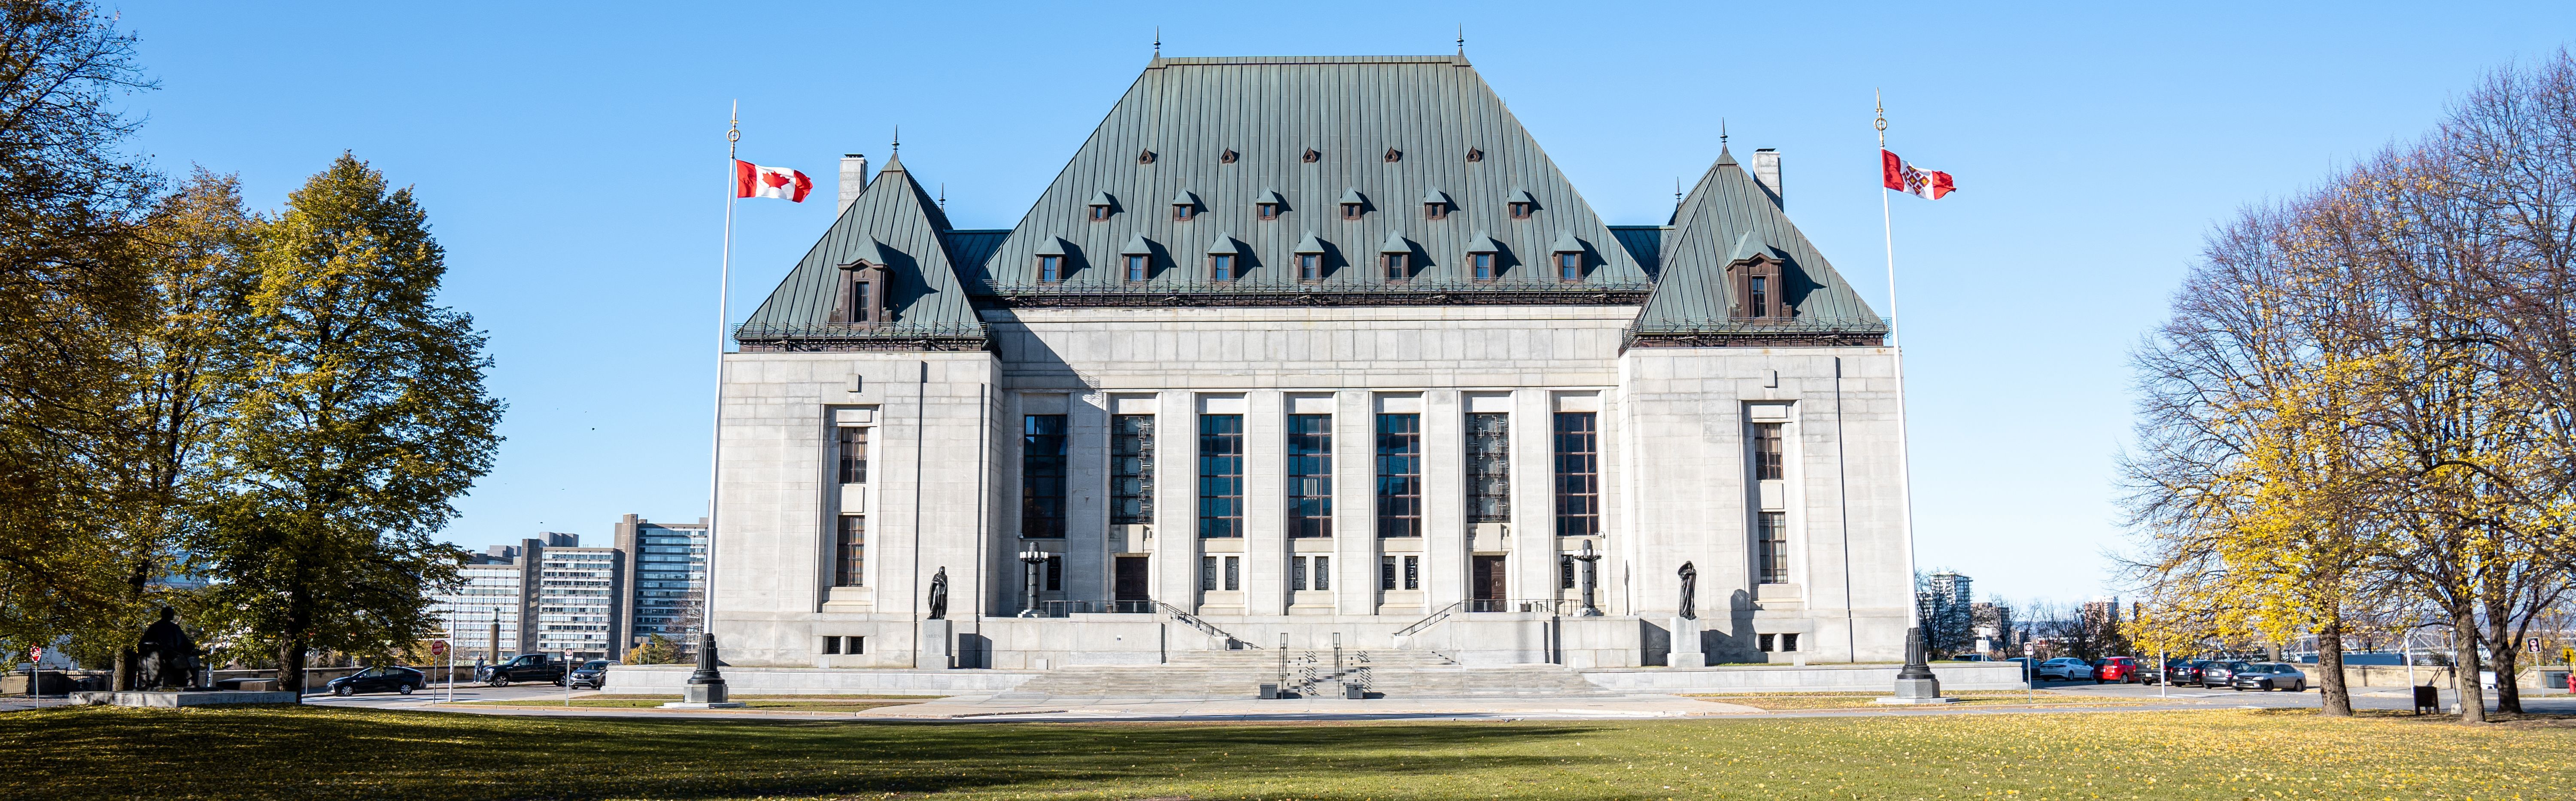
pixel 1787 701
pixel 325 753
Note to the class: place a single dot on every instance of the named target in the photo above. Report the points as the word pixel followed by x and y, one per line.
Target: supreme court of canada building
pixel 1311 348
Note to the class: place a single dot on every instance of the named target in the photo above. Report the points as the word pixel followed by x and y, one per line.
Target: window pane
pixel 1399 476
pixel 1489 468
pixel 1310 266
pixel 1042 476
pixel 1484 266
pixel 1758 300
pixel 1323 572
pixel 1310 475
pixel 854 455
pixel 1578 477
pixel 1767 462
pixel 851 551
pixel 1131 469
pixel 1771 547
pixel 1221 479
pixel 1412 572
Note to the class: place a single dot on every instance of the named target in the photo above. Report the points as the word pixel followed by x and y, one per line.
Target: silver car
pixel 2268 676
pixel 2221 673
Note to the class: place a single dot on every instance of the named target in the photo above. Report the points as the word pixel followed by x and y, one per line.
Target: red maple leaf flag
pixel 753 180
pixel 1907 178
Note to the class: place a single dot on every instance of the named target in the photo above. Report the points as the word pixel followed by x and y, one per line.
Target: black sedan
pixel 380 679
pixel 592 674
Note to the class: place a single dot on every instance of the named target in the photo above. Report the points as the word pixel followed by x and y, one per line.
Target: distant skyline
pixel 571 161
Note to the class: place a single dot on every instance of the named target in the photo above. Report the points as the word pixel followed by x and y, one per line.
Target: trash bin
pixel 2428 698
pixel 1269 692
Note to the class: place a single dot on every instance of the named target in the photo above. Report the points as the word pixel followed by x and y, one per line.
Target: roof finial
pixel 1721 132
pixel 1158 41
pixel 1462 38
pixel 1677 190
pixel 898 142
pixel 943 196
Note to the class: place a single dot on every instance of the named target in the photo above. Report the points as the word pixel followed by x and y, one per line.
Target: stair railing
pixel 1232 643
pixel 1430 620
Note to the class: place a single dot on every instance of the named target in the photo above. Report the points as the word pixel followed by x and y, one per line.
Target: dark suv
pixel 592 674
pixel 528 667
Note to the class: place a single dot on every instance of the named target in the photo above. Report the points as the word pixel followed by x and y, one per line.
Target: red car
pixel 2123 669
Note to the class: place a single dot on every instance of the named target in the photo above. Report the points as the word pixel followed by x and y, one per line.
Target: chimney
pixel 854 177
pixel 1766 171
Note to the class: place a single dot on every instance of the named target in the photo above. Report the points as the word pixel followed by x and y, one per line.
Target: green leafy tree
pixel 656 650
pixel 361 417
pixel 69 204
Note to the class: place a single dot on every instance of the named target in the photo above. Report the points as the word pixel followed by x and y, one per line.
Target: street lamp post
pixel 1587 557
pixel 1029 580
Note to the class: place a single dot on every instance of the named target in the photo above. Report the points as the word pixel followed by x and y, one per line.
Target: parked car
pixel 2218 673
pixel 592 674
pixel 2065 668
pixel 379 679
pixel 2173 671
pixel 2268 676
pixel 528 667
pixel 2123 669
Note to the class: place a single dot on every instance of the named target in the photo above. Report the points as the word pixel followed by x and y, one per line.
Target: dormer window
pixel 1569 266
pixel 1180 214
pixel 1521 211
pixel 1139 255
pixel 1484 258
pixel 1310 266
pixel 1483 265
pixel 1099 213
pixel 1352 203
pixel 1221 267
pixel 1435 206
pixel 1100 205
pixel 1761 290
pixel 1266 211
pixel 1399 266
pixel 1521 204
pixel 1184 206
pixel 1136 268
pixel 1350 211
pixel 862 300
pixel 1050 269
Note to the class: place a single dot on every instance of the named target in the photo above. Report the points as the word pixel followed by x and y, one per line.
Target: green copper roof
pixel 893 223
pixel 1726 218
pixel 1433 111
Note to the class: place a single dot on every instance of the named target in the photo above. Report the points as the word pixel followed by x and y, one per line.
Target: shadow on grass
pixel 307 752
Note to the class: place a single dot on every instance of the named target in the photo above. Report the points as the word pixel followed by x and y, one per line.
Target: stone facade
pixel 1707 391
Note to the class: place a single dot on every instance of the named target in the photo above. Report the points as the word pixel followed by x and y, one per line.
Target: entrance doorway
pixel 1485 584
pixel 1129 586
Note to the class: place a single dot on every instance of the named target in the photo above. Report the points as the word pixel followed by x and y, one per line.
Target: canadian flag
pixel 1912 180
pixel 753 180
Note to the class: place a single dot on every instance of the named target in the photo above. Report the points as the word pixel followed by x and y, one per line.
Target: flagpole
pixel 1896 346
pixel 707 684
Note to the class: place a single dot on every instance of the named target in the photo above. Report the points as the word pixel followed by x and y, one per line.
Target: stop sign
pixel 438 648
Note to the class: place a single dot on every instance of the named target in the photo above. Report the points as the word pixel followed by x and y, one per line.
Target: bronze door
pixel 1130 583
pixel 1486 582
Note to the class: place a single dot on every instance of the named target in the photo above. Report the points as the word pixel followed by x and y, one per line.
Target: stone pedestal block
pixel 1686 651
pixel 1916 691
pixel 938 640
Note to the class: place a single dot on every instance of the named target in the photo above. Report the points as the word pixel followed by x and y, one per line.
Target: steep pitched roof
pixel 1728 217
pixel 893 223
pixel 1432 112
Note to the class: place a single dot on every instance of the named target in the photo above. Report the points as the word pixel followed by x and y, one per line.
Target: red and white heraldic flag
pixel 753 180
pixel 1912 180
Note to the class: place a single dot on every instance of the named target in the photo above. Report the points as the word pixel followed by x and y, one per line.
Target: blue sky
pixel 571 158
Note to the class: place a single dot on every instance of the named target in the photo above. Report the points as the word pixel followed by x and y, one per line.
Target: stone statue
pixel 939 594
pixel 1690 591
pixel 165 657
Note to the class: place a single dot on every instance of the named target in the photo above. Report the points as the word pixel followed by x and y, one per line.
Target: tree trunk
pixel 123 679
pixel 2507 662
pixel 2335 698
pixel 292 644
pixel 2464 667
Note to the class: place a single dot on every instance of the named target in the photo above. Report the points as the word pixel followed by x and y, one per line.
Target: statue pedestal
pixel 1916 691
pixel 1686 651
pixel 938 640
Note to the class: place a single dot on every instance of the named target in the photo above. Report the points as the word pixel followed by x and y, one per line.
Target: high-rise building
pixel 579 592
pixel 494 597
pixel 667 565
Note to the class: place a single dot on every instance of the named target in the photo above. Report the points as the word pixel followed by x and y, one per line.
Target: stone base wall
pixel 1812 678
pixel 669 679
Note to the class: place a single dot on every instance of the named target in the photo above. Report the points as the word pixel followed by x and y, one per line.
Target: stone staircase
pixel 1239 674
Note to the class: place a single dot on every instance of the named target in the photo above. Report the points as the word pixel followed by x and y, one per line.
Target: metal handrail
pixel 1069 608
pixel 1232 643
pixel 1430 620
